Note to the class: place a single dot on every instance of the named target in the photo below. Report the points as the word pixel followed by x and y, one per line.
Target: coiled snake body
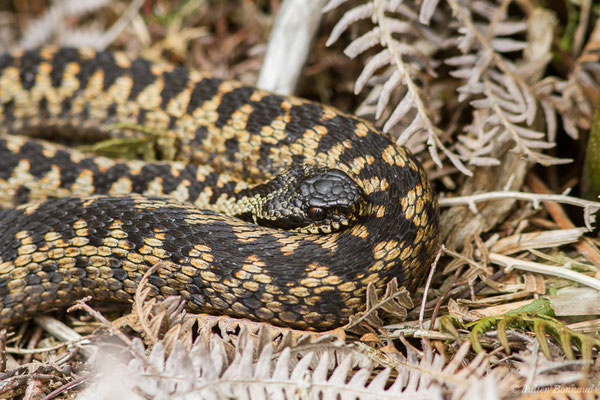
pixel 85 232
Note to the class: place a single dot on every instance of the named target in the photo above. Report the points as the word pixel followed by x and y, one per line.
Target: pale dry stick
pixel 51 22
pixel 289 43
pixel 589 207
pixel 119 26
pixel 531 266
pixel 65 334
pixel 37 350
pixel 426 291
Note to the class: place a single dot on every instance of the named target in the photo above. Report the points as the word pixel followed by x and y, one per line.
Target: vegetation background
pixel 496 97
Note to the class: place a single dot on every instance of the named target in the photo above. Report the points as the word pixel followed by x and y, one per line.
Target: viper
pixel 274 208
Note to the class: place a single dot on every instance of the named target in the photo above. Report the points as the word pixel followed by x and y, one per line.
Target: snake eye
pixel 316 213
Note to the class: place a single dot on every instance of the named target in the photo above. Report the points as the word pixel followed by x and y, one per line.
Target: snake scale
pixel 74 224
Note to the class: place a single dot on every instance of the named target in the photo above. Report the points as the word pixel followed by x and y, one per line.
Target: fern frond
pixel 502 88
pixel 396 68
pixel 206 372
pixel 505 103
pixel 540 372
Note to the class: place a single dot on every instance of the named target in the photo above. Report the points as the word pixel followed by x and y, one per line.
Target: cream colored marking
pixel 23 260
pixel 209 276
pixel 332 280
pixel 288 248
pixel 52 236
pixel 357 164
pixel 251 285
pixel 110 242
pixel 198 250
pixel 88 202
pixel 257 95
pixel 126 244
pixel 121 186
pixel 80 224
pixel 262 278
pixel 160 253
pixel 359 231
pixel 104 163
pixel 89 250
pixel 178 104
pixel 377 266
pixel 199 263
pixel 361 130
pixel 347 287
pixel 155 187
pixel 310 282
pixel 324 289
pixel 27 249
pixel 84 184
pixel 148 96
pixel 80 241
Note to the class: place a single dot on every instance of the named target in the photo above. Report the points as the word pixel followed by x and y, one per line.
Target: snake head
pixel 310 199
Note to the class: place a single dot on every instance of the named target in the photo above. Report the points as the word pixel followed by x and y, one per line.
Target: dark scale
pixel 59 62
pixel 174 82
pixel 28 68
pixel 141 77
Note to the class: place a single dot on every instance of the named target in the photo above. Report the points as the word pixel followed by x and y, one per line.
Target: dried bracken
pixel 466 80
pixel 498 61
pixel 208 371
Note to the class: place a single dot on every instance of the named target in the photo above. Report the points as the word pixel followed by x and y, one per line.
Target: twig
pixel 66 386
pixel 589 207
pixel 289 43
pixel 443 297
pixel 65 334
pixel 524 265
pixel 429 278
pixel 124 20
pixel 37 350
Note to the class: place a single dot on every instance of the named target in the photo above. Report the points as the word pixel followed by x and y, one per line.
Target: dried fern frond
pixel 395 301
pixel 539 372
pixel 497 90
pixel 575 96
pixel 400 68
pixel 207 371
pixel 502 91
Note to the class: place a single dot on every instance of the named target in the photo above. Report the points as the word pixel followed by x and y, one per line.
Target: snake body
pixel 94 225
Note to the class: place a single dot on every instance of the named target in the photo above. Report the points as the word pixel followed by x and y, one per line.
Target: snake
pixel 258 206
